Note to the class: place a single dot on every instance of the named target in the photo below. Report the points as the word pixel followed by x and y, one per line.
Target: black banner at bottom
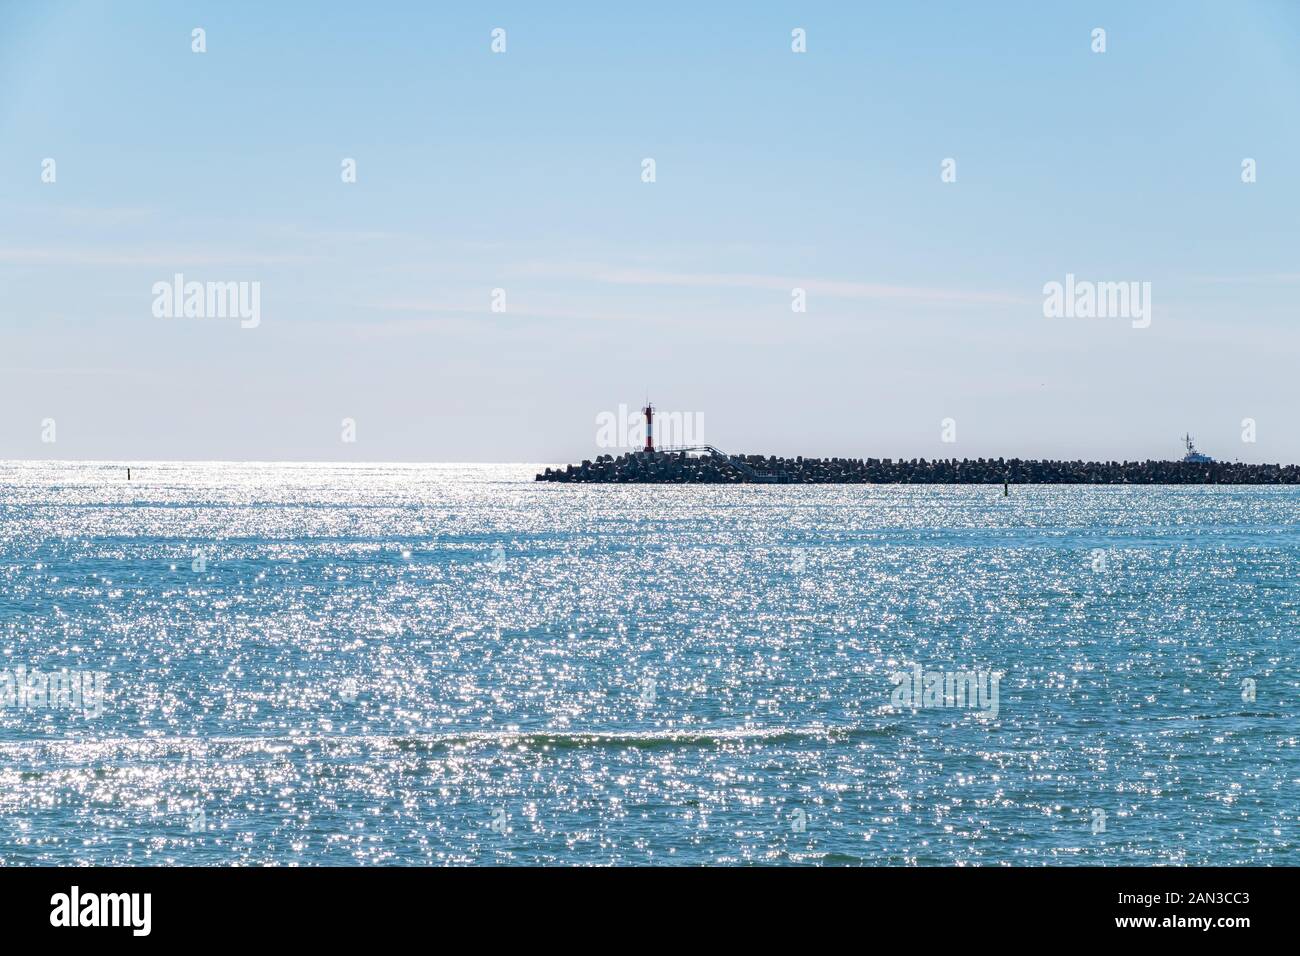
pixel 337 906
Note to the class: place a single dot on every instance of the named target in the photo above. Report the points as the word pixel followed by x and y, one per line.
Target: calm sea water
pixel 350 672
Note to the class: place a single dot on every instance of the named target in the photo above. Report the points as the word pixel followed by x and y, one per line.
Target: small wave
pixel 647 739
pixel 1247 714
pixel 527 739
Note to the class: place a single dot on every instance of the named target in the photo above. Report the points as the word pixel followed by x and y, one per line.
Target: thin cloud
pixel 739 280
pixel 159 259
pixel 1275 278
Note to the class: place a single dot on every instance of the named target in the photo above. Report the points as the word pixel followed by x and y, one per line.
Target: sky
pixel 523 171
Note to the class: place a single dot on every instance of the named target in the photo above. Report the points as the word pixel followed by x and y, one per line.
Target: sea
pixel 378 664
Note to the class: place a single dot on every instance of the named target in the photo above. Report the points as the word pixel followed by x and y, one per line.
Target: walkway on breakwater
pixel 708 465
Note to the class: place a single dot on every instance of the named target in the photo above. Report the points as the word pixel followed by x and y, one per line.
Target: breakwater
pixel 719 468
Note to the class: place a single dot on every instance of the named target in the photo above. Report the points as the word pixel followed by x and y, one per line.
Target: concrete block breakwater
pixel 659 467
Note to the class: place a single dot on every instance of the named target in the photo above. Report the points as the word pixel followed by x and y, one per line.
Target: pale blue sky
pixel 522 171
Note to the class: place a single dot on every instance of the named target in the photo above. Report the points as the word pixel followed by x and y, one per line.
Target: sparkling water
pixel 415 664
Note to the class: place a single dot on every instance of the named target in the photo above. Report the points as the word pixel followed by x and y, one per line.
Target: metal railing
pixel 735 461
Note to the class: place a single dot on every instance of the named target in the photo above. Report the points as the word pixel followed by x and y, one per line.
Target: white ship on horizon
pixel 1192 454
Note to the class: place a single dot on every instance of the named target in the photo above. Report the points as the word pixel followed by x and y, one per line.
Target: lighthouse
pixel 649 411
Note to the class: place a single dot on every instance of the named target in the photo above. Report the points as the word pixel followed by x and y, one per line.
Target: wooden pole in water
pixel 128 474
pixel 1006 493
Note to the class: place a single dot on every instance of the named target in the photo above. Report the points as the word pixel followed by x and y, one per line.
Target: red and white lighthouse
pixel 649 426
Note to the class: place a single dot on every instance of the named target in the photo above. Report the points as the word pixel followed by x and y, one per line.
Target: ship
pixel 1193 456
